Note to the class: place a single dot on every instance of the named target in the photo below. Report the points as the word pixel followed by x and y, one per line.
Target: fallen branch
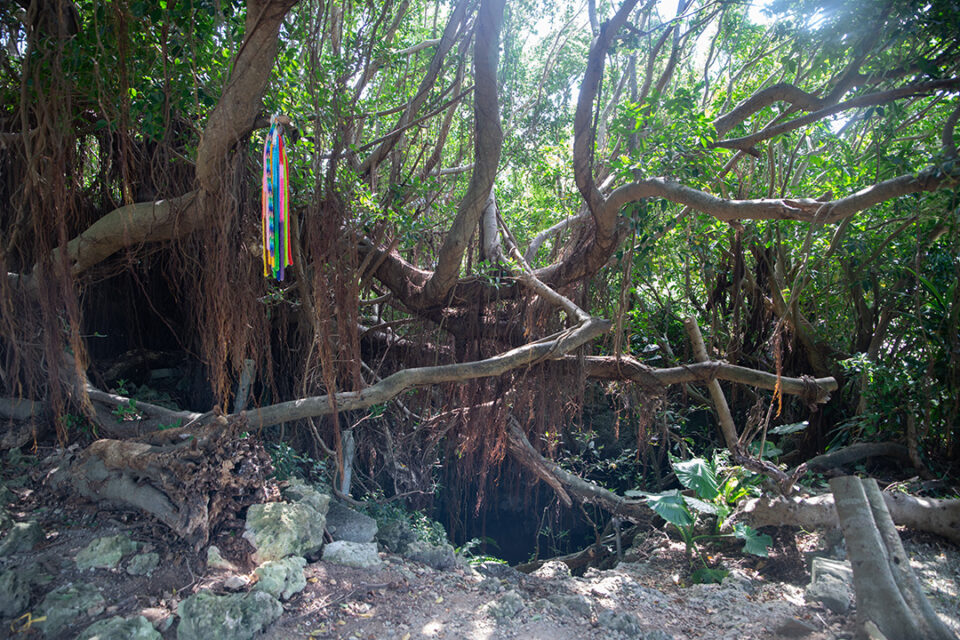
pixel 547 348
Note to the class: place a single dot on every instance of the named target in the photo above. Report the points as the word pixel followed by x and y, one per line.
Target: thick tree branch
pixel 400 381
pixel 949 144
pixel 237 108
pixel 813 390
pixel 531 253
pixel 488 141
pixel 420 46
pixel 583 136
pixel 562 481
pixel 804 209
pixel 781 92
pixel 869 100
pixel 923 514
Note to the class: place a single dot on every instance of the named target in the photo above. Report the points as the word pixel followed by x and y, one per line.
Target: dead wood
pixel 727 426
pixel 192 481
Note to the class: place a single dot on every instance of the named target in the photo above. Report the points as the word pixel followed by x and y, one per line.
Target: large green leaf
pixel 700 506
pixel 696 474
pixel 790 428
pixel 770 450
pixel 706 575
pixel 670 506
pixel 754 542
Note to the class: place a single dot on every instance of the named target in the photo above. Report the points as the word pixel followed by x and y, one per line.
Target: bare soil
pixel 404 600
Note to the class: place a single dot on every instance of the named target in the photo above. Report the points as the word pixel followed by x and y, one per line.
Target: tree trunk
pixel 889 597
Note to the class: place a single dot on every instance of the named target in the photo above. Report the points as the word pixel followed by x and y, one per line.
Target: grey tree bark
pixel 890 601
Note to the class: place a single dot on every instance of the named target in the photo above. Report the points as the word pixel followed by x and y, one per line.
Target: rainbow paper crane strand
pixel 275 219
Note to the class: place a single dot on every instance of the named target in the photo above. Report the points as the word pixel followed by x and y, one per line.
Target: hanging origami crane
pixel 277 252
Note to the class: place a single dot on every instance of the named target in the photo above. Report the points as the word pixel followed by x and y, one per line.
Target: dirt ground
pixel 646 596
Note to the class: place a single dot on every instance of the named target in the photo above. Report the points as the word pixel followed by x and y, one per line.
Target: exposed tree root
pixel 190 481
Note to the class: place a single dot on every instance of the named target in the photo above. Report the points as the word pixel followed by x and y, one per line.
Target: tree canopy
pixel 503 214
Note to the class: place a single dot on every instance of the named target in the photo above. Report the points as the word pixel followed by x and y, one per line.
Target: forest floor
pixel 647 596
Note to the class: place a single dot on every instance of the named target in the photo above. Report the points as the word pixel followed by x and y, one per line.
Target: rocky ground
pixel 311 568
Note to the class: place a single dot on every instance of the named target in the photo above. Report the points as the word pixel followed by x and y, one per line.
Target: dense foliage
pixel 808 218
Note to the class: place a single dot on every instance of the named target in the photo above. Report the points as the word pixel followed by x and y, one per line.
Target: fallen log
pixel 189 480
pixel 941 517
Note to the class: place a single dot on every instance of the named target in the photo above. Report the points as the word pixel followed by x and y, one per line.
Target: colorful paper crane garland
pixel 277 252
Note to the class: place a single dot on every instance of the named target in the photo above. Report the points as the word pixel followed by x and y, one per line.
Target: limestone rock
pixel 143 564
pixel 362 555
pixel 542 604
pixel 14 593
pixel 575 603
pixel 792 627
pixel 839 569
pixel 282 578
pixel 6 496
pixel 832 593
pixel 395 534
pixel 281 529
pixel 343 523
pixel 303 493
pixel 21 537
pixel 439 557
pixel 505 607
pixel 739 581
pixel 105 552
pixel 656 634
pixel 626 623
pixel 66 606
pixel 490 584
pixel 120 628
pixel 238 616
pixel 237 583
pixel 217 561
pixel 498 570
pixel 553 570
pixel 831 584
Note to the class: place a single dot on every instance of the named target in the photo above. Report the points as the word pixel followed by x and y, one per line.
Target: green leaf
pixel 701 506
pixel 790 428
pixel 670 506
pixel 705 575
pixel 696 474
pixel 770 450
pixel 755 542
